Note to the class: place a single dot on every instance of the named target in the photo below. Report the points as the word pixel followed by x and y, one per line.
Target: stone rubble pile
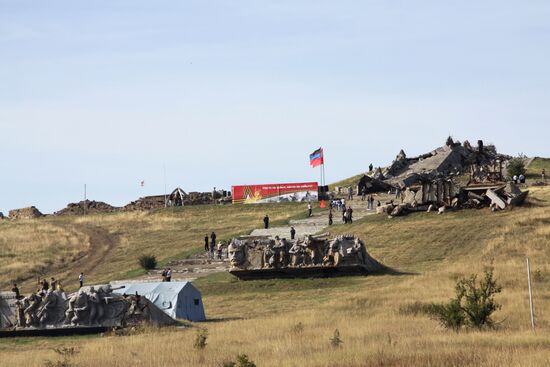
pixel 87 207
pixel 25 213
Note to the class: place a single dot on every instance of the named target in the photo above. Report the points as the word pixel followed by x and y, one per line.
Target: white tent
pixel 179 300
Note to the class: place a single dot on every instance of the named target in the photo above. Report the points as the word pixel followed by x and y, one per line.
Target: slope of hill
pixel 107 246
pixel 535 168
pixel 290 322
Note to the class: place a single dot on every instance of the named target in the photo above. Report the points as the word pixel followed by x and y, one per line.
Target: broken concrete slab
pixel 496 199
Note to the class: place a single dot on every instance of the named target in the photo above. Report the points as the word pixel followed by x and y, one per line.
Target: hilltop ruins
pixel 455 175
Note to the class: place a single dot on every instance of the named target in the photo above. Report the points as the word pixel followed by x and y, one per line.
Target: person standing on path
pixel 350 193
pixel 53 283
pixel 81 279
pixel 168 274
pixel 212 244
pixel 292 233
pixel 309 209
pixel 350 215
pixel 15 290
pixel 345 216
pixel 330 217
pixel 220 249
pixel 206 248
pixel 266 221
pixel 363 193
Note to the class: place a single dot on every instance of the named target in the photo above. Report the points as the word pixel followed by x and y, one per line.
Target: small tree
pixel 473 304
pixel 148 262
pixel 336 341
pixel 200 339
pixel 516 167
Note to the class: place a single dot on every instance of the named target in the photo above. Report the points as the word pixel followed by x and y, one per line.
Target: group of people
pixel 167 275
pixel 211 248
pixel 369 198
pixel 44 286
pixel 519 179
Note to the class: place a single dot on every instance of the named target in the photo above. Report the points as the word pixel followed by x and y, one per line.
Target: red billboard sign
pixel 275 193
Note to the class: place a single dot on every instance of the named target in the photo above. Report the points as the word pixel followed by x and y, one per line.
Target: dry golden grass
pixel 107 246
pixel 259 317
pixel 29 248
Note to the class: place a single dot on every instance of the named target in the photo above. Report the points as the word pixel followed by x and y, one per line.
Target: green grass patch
pixel 535 168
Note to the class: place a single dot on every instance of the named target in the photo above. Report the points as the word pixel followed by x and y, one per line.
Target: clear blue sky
pixel 229 92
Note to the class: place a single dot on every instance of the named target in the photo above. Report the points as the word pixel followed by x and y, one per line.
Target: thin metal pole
pixel 165 199
pixel 530 295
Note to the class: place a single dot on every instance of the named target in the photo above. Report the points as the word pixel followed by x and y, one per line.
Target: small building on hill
pixel 179 300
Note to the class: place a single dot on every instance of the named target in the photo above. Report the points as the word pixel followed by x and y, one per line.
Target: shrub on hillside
pixel 336 341
pixel 472 306
pixel 241 361
pixel 67 354
pixel 148 262
pixel 200 339
pixel 516 167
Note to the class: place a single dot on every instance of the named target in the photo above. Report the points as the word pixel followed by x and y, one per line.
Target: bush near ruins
pixel 516 167
pixel 148 262
pixel 472 306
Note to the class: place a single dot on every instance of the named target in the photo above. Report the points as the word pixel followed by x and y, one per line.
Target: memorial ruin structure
pixel 314 256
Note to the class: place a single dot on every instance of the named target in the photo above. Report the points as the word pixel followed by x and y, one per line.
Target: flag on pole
pixel 316 158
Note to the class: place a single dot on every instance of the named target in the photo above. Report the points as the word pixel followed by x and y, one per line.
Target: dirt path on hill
pixel 101 245
pixel 317 223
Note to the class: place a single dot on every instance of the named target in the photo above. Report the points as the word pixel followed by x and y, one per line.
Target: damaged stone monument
pixel 314 256
pixel 91 309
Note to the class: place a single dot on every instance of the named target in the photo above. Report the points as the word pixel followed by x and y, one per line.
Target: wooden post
pixel 530 295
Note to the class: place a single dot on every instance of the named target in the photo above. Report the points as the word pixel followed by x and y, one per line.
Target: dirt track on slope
pixel 101 246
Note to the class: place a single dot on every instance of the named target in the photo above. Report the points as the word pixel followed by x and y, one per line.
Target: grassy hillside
pixel 289 322
pixel 535 168
pixel 106 247
pixel 351 181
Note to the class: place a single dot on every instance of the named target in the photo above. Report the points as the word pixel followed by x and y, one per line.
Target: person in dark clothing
pixel 44 286
pixel 370 167
pixel 206 243
pixel 15 290
pixel 350 215
pixel 330 218
pixel 266 221
pixel 292 233
pixel 212 244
